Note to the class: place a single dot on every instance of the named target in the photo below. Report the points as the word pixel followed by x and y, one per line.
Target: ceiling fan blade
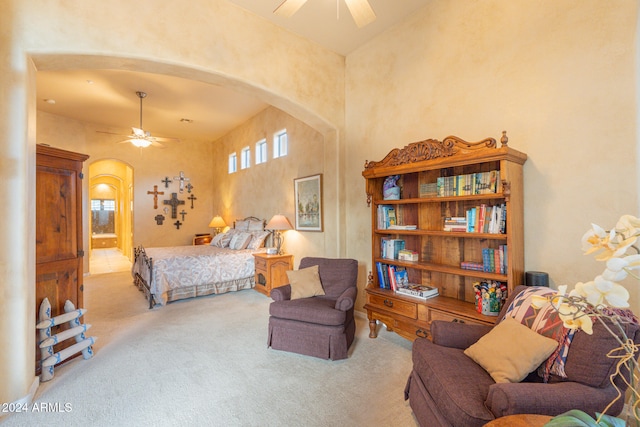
pixel 156 144
pixel 361 11
pixel 288 7
pixel 110 133
pixel 138 132
pixel 165 139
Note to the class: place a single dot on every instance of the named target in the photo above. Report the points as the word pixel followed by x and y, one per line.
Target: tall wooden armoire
pixel 58 231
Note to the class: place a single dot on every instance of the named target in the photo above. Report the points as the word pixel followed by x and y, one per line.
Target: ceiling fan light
pixel 141 143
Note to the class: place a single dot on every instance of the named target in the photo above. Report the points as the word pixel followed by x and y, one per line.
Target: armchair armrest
pixel 456 335
pixel 549 399
pixel 281 293
pixel 347 299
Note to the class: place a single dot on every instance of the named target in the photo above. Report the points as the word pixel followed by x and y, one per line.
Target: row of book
pixel 479 219
pixel 397 279
pixel 391 276
pixel 390 248
pixel 495 260
pixel 468 184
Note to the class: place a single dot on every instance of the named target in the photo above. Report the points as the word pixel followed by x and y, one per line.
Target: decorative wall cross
pixel 155 193
pixel 174 202
pixel 177 224
pixel 182 180
pixel 183 213
pixel 189 187
pixel 159 219
pixel 166 181
pixel 192 198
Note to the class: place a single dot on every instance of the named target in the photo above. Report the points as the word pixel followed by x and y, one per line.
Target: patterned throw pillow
pixel 240 240
pixel 257 240
pixel 545 321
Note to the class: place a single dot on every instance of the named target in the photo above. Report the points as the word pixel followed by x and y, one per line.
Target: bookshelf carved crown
pixel 432 149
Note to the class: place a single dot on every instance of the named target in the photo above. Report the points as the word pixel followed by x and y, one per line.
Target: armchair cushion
pixel 317 310
pixel 305 282
pixel 511 351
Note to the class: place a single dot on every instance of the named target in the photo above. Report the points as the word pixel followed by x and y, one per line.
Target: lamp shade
pixel 279 222
pixel 217 222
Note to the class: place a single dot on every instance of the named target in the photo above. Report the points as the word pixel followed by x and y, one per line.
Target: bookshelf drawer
pixel 411 330
pixel 394 305
pixel 450 317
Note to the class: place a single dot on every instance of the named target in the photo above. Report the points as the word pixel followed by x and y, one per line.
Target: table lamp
pixel 277 224
pixel 217 223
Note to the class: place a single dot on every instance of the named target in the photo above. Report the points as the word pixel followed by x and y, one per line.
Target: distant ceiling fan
pixel 361 10
pixel 141 138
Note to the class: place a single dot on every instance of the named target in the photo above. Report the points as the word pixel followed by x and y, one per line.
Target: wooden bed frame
pixel 147 262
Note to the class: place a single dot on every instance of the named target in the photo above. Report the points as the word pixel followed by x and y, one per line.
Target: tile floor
pixel 108 261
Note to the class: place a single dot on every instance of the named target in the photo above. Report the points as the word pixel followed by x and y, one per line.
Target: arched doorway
pixel 110 219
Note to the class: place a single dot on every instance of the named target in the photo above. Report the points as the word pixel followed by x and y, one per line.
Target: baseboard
pixel 24 401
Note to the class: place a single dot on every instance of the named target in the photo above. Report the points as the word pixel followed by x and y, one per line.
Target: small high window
pixel 261 151
pixel 233 163
pixel 280 144
pixel 245 158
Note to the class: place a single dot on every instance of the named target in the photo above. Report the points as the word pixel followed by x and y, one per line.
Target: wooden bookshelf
pixel 442 252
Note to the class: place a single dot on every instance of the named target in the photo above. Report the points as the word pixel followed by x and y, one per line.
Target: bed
pixel 168 274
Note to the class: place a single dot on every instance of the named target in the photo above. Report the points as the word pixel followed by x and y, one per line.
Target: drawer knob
pixel 388 303
pixel 421 333
pixel 457 321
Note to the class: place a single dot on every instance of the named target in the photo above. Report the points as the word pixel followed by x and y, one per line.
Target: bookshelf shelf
pixel 422 168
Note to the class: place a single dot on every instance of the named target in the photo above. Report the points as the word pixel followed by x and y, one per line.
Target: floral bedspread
pixel 182 270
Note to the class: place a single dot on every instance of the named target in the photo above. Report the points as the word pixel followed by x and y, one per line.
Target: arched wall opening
pixel 110 180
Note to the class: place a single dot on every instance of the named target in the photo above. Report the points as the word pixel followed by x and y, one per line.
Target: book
pixel 419 291
pixel 391 271
pixel 392 248
pixel 403 227
pixel 402 277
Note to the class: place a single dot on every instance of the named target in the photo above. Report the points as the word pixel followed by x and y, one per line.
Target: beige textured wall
pixel 557 75
pixel 211 40
pixel 267 189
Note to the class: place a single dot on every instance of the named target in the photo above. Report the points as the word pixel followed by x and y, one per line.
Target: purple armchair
pixel 320 326
pixel 447 388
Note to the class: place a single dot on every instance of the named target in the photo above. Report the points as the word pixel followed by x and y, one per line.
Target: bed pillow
pixel 218 240
pixel 240 240
pixel 241 224
pixel 305 282
pixel 510 351
pixel 257 239
pixel 255 225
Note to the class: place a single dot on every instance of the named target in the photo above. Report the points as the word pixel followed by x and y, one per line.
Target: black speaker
pixel 536 278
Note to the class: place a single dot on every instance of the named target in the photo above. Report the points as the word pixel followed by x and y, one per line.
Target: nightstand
pixel 271 271
pixel 202 239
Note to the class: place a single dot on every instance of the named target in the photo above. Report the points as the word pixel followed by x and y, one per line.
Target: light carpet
pixel 205 361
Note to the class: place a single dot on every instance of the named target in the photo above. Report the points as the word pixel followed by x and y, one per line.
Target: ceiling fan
pixel 361 10
pixel 140 137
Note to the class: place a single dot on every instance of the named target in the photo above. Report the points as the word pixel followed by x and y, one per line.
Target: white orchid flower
pixel 619 268
pixel 574 317
pixel 601 289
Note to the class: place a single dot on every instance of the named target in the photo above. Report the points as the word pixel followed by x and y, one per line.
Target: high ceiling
pixel 108 97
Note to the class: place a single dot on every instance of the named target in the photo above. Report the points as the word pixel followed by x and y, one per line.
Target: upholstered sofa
pixel 321 326
pixel 448 388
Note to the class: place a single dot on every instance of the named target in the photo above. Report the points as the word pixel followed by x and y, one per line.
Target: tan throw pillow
pixel 510 351
pixel 305 283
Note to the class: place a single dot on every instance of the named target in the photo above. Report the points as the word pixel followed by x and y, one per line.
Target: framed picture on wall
pixel 308 198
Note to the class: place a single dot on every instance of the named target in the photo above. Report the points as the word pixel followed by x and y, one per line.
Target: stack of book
pixel 455 223
pixel 408 255
pixel 419 291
